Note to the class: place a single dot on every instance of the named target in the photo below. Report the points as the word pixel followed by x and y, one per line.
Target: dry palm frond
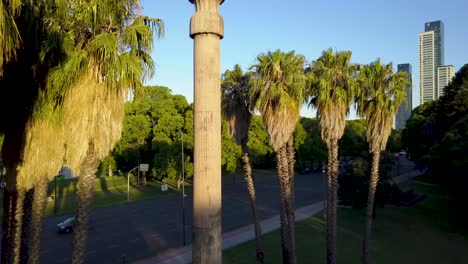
pixel 332 85
pixel 43 153
pixel 381 94
pixel 278 85
pixel 235 88
pixel 92 112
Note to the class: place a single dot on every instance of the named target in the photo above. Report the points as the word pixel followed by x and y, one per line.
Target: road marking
pixel 63 260
pixel 113 246
pixel 155 235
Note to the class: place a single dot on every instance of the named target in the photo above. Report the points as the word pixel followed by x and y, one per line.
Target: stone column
pixel 206 28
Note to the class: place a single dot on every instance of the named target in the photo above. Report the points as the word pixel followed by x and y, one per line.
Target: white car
pixel 66 226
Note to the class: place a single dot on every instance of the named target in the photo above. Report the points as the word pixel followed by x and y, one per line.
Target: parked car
pixel 66 226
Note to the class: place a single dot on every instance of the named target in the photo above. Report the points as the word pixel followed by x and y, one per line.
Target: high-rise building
pixel 431 57
pixel 445 74
pixel 404 111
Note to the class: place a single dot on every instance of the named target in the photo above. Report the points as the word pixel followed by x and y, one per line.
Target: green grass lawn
pixel 109 191
pixel 422 234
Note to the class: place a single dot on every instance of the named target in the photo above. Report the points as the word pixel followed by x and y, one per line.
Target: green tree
pixel 353 142
pixel 332 89
pixel 235 88
pixel 436 137
pixel 154 125
pixel 278 85
pixel 380 95
pixel 420 132
pixel 312 149
pixel 260 149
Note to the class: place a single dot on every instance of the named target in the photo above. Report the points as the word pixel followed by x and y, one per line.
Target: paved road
pixel 147 228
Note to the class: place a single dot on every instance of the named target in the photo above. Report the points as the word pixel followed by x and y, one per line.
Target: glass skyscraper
pixel 404 111
pixel 431 57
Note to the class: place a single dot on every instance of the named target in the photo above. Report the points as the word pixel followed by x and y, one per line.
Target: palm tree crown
pixel 332 86
pixel 380 95
pixel 235 88
pixel 278 85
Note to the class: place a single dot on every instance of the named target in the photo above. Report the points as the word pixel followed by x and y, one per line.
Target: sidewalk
pixel 407 176
pixel 183 255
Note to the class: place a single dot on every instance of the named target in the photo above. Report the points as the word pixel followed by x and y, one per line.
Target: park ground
pixel 420 234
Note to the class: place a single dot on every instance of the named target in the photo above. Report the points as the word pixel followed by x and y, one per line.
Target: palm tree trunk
pixel 282 170
pixel 374 179
pixel 38 210
pixel 85 197
pixel 289 254
pixel 12 203
pixel 249 180
pixel 290 209
pixel 331 200
pixel 26 226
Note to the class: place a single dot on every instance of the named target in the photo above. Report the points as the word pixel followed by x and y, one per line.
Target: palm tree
pixel 114 56
pixel 23 71
pixel 235 88
pixel 332 85
pixel 278 84
pixel 381 93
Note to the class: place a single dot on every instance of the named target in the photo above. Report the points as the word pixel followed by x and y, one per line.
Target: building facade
pixel 431 57
pixel 445 75
pixel 404 111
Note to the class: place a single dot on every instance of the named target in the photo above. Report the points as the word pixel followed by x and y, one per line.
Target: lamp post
pixel 183 192
pixel 206 30
pixel 128 182
pixel 55 195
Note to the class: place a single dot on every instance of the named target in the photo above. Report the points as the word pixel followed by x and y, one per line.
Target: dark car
pixel 66 226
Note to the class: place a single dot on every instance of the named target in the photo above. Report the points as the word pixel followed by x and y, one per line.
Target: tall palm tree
pixel 116 53
pixel 23 72
pixel 380 95
pixel 332 85
pixel 112 56
pixel 278 84
pixel 235 88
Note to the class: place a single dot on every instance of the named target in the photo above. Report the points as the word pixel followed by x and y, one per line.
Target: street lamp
pixel 183 191
pixel 55 192
pixel 128 182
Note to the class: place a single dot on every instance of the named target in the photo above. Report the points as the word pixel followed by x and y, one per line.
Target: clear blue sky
pixel 370 29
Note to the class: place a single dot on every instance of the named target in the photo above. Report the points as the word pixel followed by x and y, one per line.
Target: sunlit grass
pixel 422 234
pixel 109 191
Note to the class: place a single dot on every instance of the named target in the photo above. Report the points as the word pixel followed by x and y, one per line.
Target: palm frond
pixel 278 85
pixel 235 88
pixel 381 94
pixel 10 39
pixel 332 85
